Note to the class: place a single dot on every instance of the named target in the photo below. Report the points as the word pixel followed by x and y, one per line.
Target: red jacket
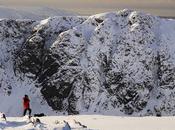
pixel 26 102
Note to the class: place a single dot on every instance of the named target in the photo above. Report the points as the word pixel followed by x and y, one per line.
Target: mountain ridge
pixel 118 63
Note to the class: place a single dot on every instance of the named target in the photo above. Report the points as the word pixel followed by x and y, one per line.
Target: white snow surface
pixel 92 122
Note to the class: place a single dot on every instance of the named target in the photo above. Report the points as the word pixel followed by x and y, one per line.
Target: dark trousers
pixel 25 110
pixel 3 116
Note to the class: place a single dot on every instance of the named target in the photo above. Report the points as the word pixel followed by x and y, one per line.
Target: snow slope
pixel 118 63
pixel 93 122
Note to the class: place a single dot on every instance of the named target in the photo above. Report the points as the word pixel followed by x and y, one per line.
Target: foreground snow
pixel 93 122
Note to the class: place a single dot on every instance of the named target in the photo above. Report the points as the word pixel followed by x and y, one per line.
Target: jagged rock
pixel 121 62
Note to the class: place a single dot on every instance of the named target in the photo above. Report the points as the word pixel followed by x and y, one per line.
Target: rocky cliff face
pixel 113 63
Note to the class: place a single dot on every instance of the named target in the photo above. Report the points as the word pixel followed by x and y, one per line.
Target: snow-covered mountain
pixel 119 63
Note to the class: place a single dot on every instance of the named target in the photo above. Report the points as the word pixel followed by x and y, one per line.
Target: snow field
pixel 93 122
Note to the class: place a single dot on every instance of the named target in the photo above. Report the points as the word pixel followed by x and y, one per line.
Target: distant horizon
pixel 90 7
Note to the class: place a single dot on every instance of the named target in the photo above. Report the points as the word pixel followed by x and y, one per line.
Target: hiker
pixel 2 116
pixel 26 105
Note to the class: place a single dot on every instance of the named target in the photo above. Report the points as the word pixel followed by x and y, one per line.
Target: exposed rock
pixel 121 62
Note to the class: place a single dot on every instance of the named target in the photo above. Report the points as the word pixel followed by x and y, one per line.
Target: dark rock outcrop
pixel 121 62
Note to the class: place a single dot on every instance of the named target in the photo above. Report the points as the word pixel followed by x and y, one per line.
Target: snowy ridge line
pixel 93 122
pixel 41 124
pixel 117 63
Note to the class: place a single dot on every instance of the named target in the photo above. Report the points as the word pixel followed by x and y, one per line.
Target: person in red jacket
pixel 26 105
